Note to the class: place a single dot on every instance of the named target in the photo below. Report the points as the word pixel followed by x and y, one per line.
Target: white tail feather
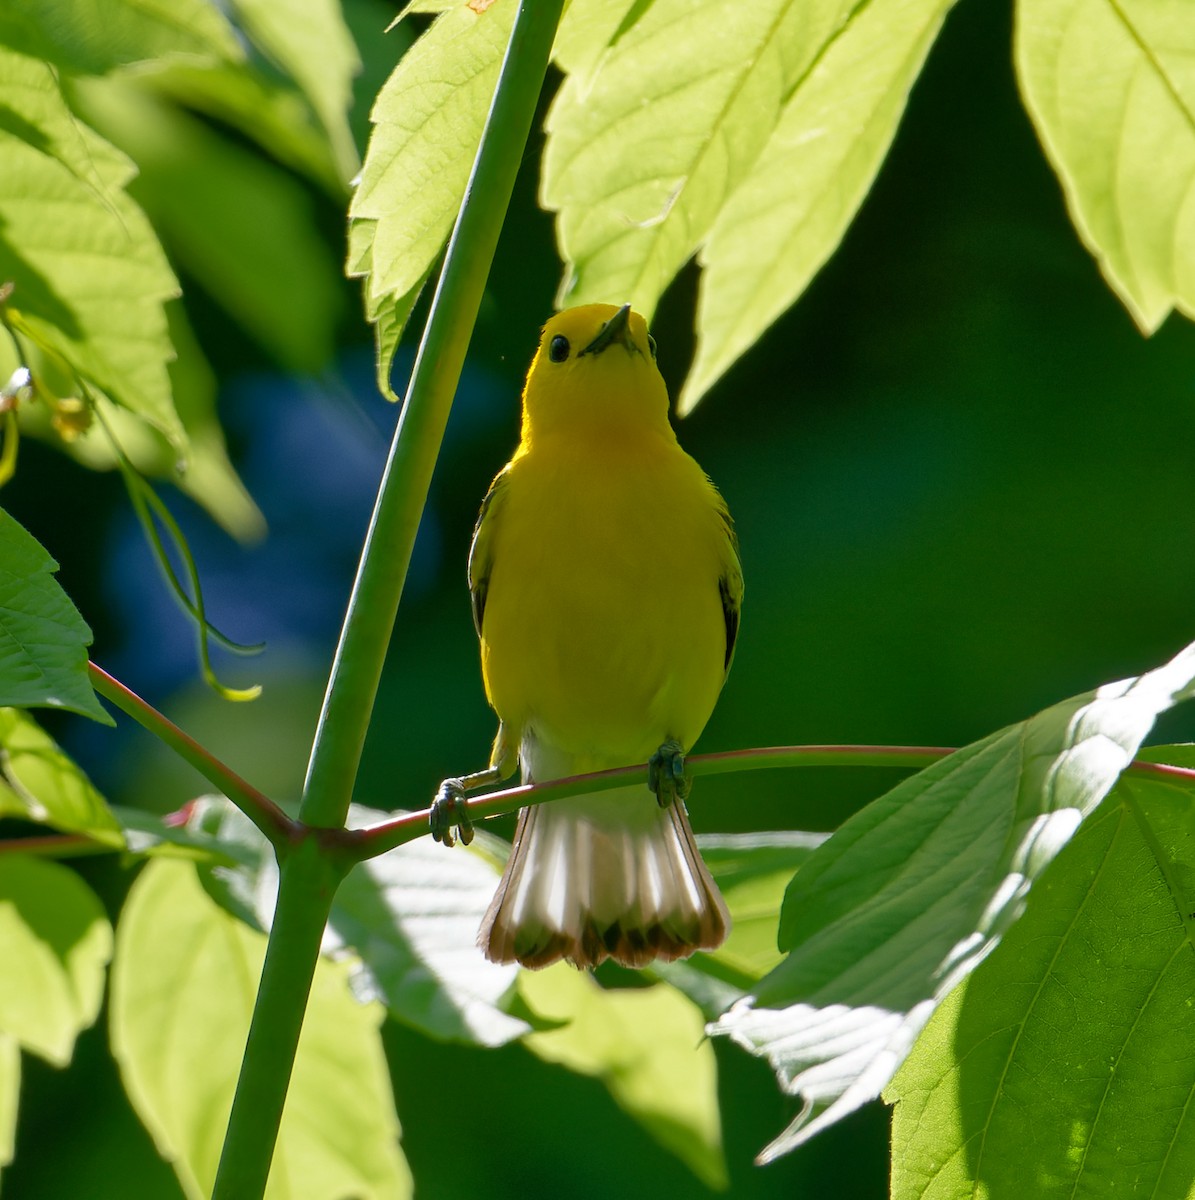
pixel 612 875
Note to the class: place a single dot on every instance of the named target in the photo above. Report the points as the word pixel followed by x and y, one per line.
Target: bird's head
pixel 595 371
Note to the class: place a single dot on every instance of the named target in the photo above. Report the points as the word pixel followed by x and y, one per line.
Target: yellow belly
pixel 604 634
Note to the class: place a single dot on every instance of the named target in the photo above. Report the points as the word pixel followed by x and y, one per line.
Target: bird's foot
pixel 666 774
pixel 450 810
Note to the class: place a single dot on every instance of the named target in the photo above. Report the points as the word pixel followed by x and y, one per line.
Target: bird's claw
pixel 666 774
pixel 450 810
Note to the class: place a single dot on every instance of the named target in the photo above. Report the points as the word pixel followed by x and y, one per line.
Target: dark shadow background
pixel 962 483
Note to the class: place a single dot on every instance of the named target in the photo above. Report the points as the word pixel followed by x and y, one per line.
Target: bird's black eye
pixel 558 348
pixel 651 345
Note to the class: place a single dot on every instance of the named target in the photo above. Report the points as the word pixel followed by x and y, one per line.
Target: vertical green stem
pixel 387 554
pixel 309 876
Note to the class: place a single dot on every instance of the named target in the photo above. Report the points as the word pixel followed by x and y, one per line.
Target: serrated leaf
pixel 96 36
pixel 1070 1044
pixel 89 277
pixel 787 217
pixel 308 39
pixel 49 786
pixel 911 893
pixel 427 121
pixel 43 639
pixel 646 1046
pixel 183 984
pixel 55 942
pixel 1111 90
pixel 752 130
pixel 10 1096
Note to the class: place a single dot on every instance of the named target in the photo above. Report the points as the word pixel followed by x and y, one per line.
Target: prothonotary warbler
pixel 606 592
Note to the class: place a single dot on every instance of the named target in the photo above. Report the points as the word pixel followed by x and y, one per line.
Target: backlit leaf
pixel 55 942
pixel 1111 90
pixel 183 985
pixel 747 132
pixel 310 42
pixel 98 35
pixel 427 122
pixel 647 1046
pixel 47 785
pixel 89 277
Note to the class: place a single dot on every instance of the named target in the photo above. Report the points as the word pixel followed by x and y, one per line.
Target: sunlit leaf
pixel 102 34
pixel 1058 1055
pixel 427 121
pixel 788 216
pixel 913 892
pixel 242 227
pixel 309 41
pixel 647 1046
pixel 55 942
pixel 750 132
pixel 89 277
pixel 183 984
pixel 43 639
pixel 49 787
pixel 753 871
pixel 1111 90
pixel 408 920
pixel 412 917
pixel 588 27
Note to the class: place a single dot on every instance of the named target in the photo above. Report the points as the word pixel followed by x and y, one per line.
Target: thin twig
pixel 278 828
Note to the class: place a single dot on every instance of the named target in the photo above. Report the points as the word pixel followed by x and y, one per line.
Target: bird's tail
pixel 612 875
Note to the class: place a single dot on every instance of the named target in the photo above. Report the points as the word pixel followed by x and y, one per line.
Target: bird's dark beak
pixel 616 329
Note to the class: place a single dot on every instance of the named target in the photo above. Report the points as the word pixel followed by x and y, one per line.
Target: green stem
pixel 357 667
pixel 260 809
pixel 306 885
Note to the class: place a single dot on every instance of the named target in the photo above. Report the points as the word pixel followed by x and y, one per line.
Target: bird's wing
pixel 730 583
pixel 481 551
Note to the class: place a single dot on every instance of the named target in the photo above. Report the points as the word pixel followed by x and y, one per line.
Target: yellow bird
pixel 606 589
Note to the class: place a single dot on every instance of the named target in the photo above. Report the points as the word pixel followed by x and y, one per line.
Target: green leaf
pixel 1111 90
pixel 55 943
pixel 183 984
pixel 752 130
pixel 10 1096
pixel 427 121
pixel 646 1046
pixel 1070 1044
pixel 89 277
pixel 96 36
pixel 587 29
pixel 242 227
pixel 753 870
pixel 412 917
pixel 408 920
pixel 309 40
pixel 788 216
pixel 48 786
pixel 43 639
pixel 911 893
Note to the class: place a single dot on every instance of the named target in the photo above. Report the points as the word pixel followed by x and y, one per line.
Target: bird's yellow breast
pixel 603 630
